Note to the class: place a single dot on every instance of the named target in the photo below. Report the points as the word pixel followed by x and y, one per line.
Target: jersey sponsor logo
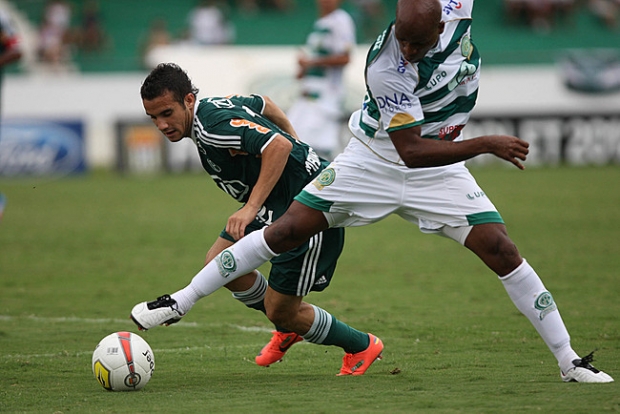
pixel 435 80
pixel 240 123
pixel 234 188
pixel 401 119
pixel 451 6
pixel 395 102
pixel 545 304
pixel 226 263
pixel 327 177
pixel 449 133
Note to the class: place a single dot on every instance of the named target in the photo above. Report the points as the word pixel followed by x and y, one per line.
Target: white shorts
pixel 318 123
pixel 359 188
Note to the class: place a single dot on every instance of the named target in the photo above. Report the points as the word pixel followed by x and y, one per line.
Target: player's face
pixel 414 43
pixel 171 117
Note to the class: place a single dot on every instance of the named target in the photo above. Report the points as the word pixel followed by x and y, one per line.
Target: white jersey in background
pixel 317 113
pixel 333 34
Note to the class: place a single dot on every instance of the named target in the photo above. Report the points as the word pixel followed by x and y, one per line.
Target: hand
pixel 509 148
pixel 238 222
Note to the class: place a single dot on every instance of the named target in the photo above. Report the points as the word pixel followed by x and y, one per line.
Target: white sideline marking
pixel 74 319
pixel 128 321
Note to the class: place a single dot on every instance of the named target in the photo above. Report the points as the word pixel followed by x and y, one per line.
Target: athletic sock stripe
pixel 255 294
pixel 320 326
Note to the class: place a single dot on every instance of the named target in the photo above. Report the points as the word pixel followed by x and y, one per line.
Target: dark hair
pixel 167 77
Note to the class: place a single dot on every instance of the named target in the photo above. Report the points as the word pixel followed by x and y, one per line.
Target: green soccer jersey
pixel 231 133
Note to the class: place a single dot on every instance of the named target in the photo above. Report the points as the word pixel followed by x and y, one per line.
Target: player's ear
pixel 190 100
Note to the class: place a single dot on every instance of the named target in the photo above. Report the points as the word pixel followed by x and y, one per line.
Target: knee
pixel 497 250
pixel 283 235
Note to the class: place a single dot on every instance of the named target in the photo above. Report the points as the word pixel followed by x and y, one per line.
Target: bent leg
pixel 313 323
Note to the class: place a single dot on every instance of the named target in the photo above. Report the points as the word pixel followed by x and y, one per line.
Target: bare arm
pixel 324 61
pixel 419 152
pixel 273 161
pixel 278 117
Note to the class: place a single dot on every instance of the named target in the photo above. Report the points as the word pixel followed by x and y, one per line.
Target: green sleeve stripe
pixel 410 125
pixel 368 130
pixel 313 201
pixel 484 218
pixel 461 104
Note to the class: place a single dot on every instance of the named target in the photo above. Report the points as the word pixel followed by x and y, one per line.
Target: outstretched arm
pixel 417 152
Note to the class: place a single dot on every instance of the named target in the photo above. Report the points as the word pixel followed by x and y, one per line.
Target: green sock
pixel 327 330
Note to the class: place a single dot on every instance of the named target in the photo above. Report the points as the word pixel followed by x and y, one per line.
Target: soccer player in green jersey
pixel 407 157
pixel 251 151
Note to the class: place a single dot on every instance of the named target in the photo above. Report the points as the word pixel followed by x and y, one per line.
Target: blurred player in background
pixel 407 158
pixel 10 50
pixel 317 113
pixel 251 151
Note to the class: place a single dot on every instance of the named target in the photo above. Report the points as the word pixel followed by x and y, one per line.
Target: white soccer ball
pixel 123 361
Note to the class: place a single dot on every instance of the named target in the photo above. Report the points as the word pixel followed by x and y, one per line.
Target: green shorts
pixel 309 267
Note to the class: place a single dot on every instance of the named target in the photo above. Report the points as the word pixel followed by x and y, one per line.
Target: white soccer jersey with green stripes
pixel 333 34
pixel 437 93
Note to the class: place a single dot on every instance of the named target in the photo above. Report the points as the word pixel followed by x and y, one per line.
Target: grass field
pixel 77 253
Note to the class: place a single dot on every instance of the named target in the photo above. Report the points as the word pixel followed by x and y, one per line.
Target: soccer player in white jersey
pixel 407 158
pixel 317 112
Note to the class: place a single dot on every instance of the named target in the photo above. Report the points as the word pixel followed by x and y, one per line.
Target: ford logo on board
pixel 31 147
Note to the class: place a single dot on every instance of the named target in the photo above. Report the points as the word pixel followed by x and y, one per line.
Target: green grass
pixel 77 253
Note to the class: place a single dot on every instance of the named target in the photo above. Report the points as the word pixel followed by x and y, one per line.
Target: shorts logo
pixel 226 263
pixel 545 304
pixel 475 195
pixel 324 179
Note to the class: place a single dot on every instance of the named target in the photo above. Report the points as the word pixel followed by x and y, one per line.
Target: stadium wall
pixel 531 101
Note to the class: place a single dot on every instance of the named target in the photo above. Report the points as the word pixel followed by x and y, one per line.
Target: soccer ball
pixel 123 361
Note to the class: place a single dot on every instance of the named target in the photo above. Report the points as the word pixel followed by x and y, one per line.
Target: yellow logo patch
pixel 401 119
pixel 103 375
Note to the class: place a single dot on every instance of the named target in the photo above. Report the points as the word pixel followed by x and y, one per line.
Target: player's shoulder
pixel 215 109
pixel 380 46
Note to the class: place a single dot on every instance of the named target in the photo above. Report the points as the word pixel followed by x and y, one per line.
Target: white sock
pixel 239 259
pixel 533 300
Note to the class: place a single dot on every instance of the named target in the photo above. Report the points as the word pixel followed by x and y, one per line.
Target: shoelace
pixel 585 362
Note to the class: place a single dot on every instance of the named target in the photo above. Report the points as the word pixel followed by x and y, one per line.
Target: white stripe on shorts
pixel 308 269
